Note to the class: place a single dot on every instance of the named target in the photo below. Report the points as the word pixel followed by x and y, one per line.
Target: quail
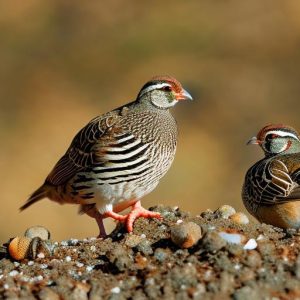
pixel 119 157
pixel 271 190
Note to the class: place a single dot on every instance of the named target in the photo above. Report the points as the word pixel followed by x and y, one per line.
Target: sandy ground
pixel 210 256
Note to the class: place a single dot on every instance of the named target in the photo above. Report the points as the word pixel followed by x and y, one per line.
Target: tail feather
pixel 39 194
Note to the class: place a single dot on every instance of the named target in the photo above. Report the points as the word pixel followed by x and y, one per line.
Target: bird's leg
pixel 115 216
pixel 123 205
pixel 137 212
pixel 117 208
pixel 102 232
pixel 92 211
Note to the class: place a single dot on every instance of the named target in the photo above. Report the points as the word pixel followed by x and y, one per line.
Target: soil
pixel 170 258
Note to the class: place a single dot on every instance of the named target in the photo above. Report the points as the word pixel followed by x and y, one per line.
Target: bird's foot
pixel 137 212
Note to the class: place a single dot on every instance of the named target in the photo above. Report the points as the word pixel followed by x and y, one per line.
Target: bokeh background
pixel 64 62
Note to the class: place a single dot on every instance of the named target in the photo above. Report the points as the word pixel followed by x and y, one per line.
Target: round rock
pixel 186 235
pixel 225 211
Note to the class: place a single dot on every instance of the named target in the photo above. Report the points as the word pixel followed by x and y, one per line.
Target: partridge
pixel 271 190
pixel 119 157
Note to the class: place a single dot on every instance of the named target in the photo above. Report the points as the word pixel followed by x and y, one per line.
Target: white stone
pixel 13 273
pixel 116 290
pixel 41 255
pixel 233 238
pixel 250 245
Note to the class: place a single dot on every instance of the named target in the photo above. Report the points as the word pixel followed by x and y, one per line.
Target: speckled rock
pixel 186 235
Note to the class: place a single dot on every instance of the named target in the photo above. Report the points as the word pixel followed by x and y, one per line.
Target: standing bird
pixel 271 191
pixel 119 157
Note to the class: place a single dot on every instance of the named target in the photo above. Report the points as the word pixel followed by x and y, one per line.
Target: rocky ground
pixel 216 255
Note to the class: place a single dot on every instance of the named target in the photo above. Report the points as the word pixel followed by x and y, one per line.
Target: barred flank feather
pixel 39 194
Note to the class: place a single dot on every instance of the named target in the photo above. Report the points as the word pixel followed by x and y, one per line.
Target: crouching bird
pixel 119 157
pixel 271 191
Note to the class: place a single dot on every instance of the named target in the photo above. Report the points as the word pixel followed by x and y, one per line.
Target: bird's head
pixel 163 92
pixel 277 138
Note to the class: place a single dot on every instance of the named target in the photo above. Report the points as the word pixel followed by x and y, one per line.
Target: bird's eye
pixel 167 88
pixel 271 136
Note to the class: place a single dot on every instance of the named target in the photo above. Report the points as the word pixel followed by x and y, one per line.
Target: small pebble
pixel 93 248
pixel 233 238
pixel 43 266
pixel 239 218
pixel 89 268
pixel 250 245
pixel 186 235
pixel 39 278
pixel 225 211
pixel 260 237
pixel 116 290
pixel 13 273
pixel 79 264
pixel 143 235
pixel 68 258
pixel 161 254
pixel 145 247
pixel 41 255
pixel 73 242
pixel 30 263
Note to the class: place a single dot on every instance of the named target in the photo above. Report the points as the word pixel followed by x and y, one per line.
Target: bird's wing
pixel 272 183
pixel 295 193
pixel 81 153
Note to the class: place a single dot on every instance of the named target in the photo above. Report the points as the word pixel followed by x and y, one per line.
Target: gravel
pixel 155 261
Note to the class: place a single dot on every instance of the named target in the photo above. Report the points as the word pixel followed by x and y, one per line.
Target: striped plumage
pixel 119 157
pixel 271 191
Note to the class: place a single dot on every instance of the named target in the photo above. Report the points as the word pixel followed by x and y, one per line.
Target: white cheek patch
pixel 283 134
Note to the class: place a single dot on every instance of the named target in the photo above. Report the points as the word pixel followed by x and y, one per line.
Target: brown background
pixel 64 62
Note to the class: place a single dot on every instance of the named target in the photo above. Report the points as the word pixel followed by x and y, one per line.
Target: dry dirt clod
pixel 186 235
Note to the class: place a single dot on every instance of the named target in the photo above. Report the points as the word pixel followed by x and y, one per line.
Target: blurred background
pixel 65 62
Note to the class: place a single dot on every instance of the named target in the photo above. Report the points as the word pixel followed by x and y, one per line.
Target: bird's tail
pixel 39 194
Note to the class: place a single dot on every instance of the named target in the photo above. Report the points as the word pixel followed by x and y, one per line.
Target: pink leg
pixel 99 220
pixel 93 212
pixel 137 212
pixel 115 216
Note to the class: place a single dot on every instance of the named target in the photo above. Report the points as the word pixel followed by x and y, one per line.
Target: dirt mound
pixel 211 256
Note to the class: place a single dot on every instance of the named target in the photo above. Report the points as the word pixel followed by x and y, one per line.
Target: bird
pixel 271 189
pixel 119 157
